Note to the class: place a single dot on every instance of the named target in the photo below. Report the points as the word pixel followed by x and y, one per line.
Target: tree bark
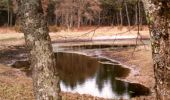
pixel 44 72
pixel 159 21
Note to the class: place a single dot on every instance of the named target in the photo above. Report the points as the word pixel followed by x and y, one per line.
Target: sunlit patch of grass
pixel 15 92
pixel 15 86
pixel 11 39
pixel 55 28
pixel 11 36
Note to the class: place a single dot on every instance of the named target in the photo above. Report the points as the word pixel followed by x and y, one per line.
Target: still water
pixel 95 76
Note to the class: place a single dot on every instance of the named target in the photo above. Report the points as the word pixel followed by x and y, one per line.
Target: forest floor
pixel 7 34
pixel 16 85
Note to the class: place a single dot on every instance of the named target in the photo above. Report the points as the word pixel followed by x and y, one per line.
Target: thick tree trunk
pixel 159 20
pixel 44 73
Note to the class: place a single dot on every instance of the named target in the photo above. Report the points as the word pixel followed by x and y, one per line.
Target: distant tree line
pixel 7 15
pixel 76 13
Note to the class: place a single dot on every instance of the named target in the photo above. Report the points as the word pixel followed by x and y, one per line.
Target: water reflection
pixel 74 69
pixel 88 75
pixel 94 76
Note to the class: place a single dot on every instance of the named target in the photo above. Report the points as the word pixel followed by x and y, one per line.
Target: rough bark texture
pixel 44 73
pixel 158 12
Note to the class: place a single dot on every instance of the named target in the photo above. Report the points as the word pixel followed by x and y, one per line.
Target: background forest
pixel 76 13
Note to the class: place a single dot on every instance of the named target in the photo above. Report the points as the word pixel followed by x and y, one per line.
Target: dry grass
pixel 11 36
pixel 14 85
pixel 4 30
pixel 83 32
pixel 89 32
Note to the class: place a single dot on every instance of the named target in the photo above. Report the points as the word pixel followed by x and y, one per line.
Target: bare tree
pixel 158 13
pixel 77 12
pixel 43 64
pixel 127 13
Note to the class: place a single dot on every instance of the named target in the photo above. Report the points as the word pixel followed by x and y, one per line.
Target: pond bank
pixel 144 75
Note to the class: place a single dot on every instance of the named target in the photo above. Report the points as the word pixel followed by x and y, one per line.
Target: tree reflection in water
pixel 81 72
pixel 94 76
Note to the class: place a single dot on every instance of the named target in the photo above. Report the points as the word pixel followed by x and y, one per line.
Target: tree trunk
pixel 99 18
pixel 11 18
pixel 78 18
pixel 44 72
pixel 67 21
pixel 159 20
pixel 117 17
pixel 127 14
pixel 8 12
pixel 136 14
pixel 71 20
pixel 139 13
pixel 121 18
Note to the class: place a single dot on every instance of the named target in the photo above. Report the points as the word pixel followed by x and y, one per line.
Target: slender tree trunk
pixel 99 18
pixel 121 18
pixel 67 21
pixel 127 14
pixel 44 72
pixel 112 20
pixel 136 14
pixel 56 20
pixel 139 12
pixel 90 22
pixel 8 12
pixel 78 18
pixel 117 17
pixel 62 19
pixel 71 21
pixel 159 20
pixel 11 18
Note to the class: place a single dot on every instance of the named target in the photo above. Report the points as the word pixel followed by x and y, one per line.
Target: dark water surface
pixel 95 76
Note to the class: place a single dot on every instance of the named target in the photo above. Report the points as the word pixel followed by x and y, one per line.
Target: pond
pixel 95 76
pixel 83 70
